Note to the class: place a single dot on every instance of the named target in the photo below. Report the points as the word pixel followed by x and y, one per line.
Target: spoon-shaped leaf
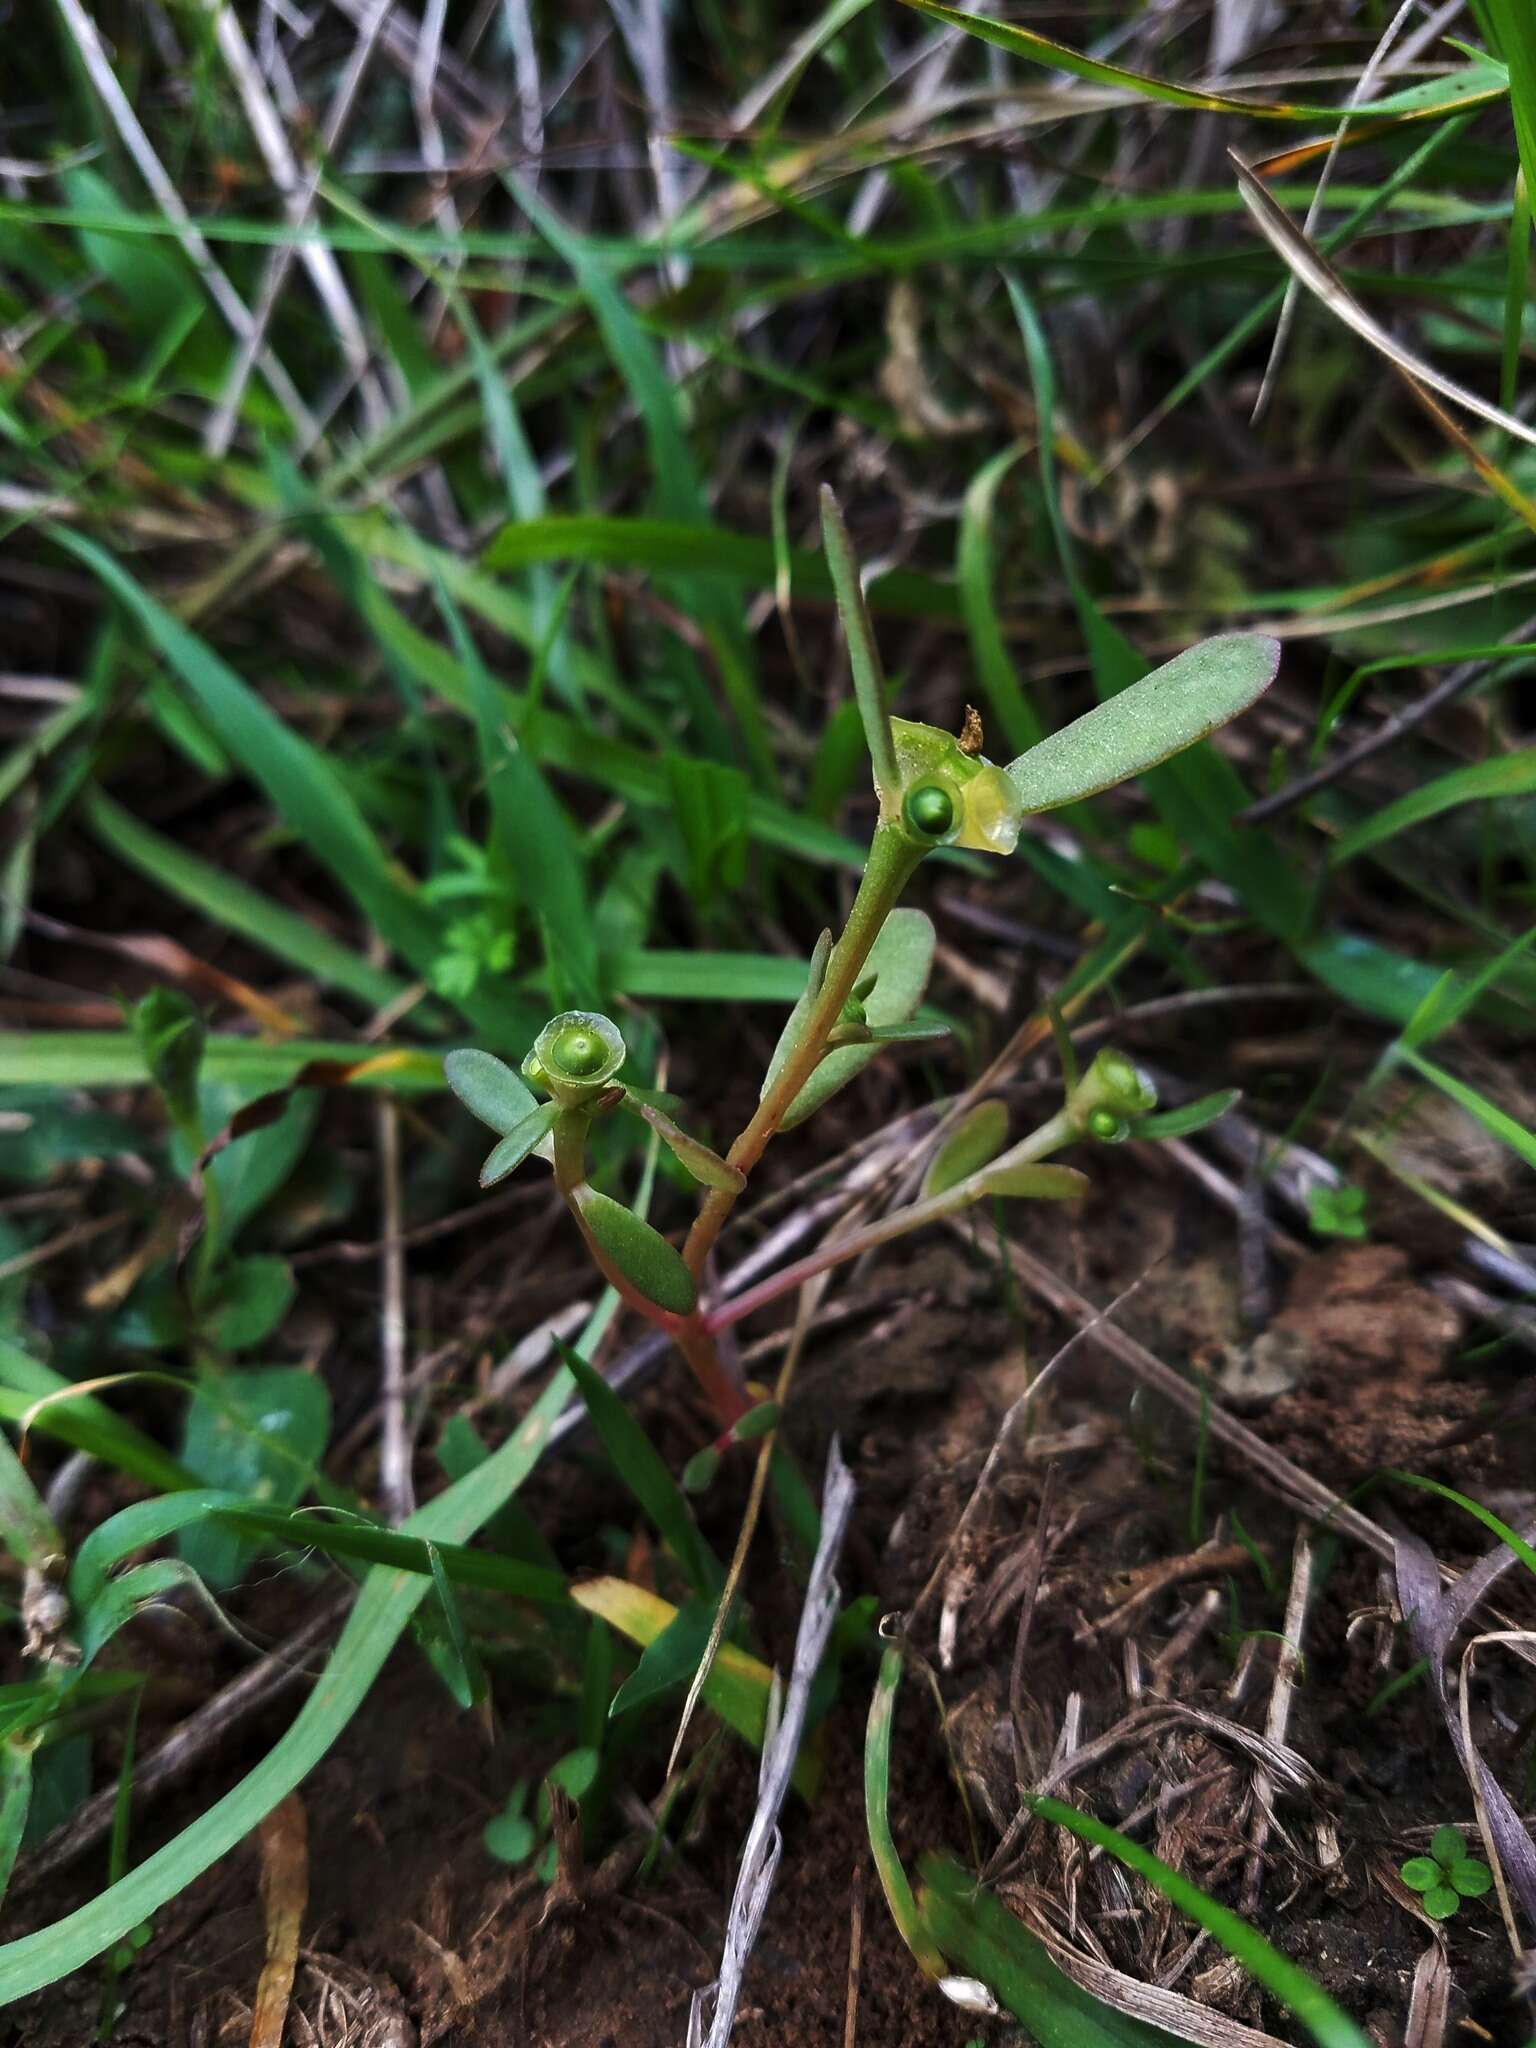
pixel 899 962
pixel 863 654
pixel 489 1089
pixel 519 1142
pixel 979 1136
pixel 1165 712
pixel 650 1265
pixel 707 1167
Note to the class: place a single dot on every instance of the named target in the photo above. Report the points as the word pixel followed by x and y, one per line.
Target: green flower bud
pixel 574 1055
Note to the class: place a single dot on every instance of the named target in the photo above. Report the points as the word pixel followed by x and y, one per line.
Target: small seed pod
pixel 1110 1097
pixel 949 797
pixel 574 1055
pixel 1121 1085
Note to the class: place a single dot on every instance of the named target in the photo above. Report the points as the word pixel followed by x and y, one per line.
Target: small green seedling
pixel 515 1836
pixel 1447 1875
pixel 862 993
pixel 1337 1212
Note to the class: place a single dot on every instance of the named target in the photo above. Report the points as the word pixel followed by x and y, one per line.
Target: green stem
pixel 892 860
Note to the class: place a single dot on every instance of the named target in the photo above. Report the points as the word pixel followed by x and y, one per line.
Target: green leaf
pixel 863 653
pixel 644 1472
pixel 489 1089
pixel 795 1022
pixel 457 1660
pixel 518 1143
pixel 979 1935
pixel 738 1685
pixel 510 1838
pixel 15 1800
pixel 973 574
pixel 27 1529
pixel 171 1035
pixel 650 1265
pixel 979 1136
pixel 900 960
pixel 1280 1977
pixel 709 807
pixel 250 1298
pixel 1420 1873
pixel 298 779
pixel 1470 1877
pixel 1505 775
pixel 707 1167
pixel 1036 1183
pixel 894 1882
pixel 1194 1116
pixel 1440 1902
pixel 1447 1845
pixel 1497 1122
pixel 1147 722
pixel 234 904
pixel 668 1662
pixel 258 1433
pixel 1456 93
pixel 662 545
pixel 375 1624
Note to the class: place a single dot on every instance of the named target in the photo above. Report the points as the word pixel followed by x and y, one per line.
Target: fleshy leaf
pixel 1420 1873
pixel 1441 1902
pixel 794 1023
pixel 1470 1878
pixel 489 1089
pixel 1036 1183
pixel 519 1142
pixel 863 654
pixel 979 1136
pixel 1165 712
pixel 172 1034
pixel 901 959
pixel 707 1167
pixel 1194 1116
pixel 650 1265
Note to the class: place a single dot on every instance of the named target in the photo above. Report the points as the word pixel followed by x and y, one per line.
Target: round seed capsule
pixel 579 1052
pixel 930 810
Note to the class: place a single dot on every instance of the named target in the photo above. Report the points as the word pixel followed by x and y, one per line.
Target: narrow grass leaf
pixel 863 653
pixel 978 1933
pixel 1300 1994
pixel 1497 1122
pixel 644 1472
pixel 894 1882
pixel 1021 727
pixel 295 775
pixel 383 1610
pixel 1503 775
